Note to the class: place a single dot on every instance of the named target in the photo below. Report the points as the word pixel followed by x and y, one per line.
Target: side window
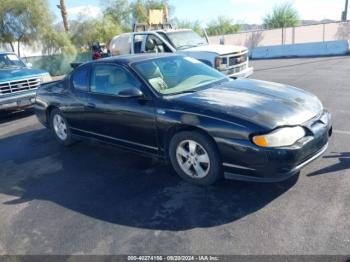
pixel 111 79
pixel 138 40
pixel 155 45
pixel 80 78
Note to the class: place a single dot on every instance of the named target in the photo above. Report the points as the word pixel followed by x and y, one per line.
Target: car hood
pixel 218 49
pixel 19 73
pixel 263 103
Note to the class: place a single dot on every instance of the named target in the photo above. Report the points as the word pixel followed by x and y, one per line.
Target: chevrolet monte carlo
pixel 176 108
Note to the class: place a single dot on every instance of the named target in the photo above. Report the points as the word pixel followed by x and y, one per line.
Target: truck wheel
pixel 60 128
pixel 195 158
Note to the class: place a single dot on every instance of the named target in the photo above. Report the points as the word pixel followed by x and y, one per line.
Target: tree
pixel 87 31
pixel 119 12
pixel 139 11
pixel 185 24
pixel 22 21
pixel 222 26
pixel 63 9
pixel 284 15
pixel 125 14
pixel 57 42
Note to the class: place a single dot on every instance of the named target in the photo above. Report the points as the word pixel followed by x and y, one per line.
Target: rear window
pixel 120 45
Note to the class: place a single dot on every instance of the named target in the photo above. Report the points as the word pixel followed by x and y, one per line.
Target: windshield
pixel 10 60
pixel 185 39
pixel 177 74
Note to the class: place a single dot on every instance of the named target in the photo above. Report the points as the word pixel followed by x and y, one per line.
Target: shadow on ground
pixel 119 187
pixel 12 116
pixel 344 163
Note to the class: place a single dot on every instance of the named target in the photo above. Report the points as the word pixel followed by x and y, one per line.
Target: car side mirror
pixel 131 92
pixel 29 65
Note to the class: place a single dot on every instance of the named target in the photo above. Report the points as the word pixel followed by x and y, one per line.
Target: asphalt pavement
pixel 95 199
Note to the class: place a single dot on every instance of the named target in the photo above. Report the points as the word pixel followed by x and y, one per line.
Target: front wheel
pixel 60 128
pixel 195 158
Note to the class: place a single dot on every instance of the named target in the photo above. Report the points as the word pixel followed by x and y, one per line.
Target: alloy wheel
pixel 193 159
pixel 60 127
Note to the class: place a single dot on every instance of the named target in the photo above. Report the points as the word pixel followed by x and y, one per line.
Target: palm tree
pixel 62 7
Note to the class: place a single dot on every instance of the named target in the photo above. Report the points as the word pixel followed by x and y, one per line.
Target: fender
pixel 225 134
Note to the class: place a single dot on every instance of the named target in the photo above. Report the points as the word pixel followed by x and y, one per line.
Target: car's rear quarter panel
pixel 48 96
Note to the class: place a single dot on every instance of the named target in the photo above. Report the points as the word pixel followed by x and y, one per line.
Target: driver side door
pixel 126 121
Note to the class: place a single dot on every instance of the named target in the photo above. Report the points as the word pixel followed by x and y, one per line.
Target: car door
pixel 76 102
pixel 127 121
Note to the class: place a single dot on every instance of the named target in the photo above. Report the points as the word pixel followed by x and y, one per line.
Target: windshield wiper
pixel 9 66
pixel 183 92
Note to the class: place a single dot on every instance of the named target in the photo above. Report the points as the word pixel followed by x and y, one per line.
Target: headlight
pixel 285 136
pixel 220 63
pixel 45 78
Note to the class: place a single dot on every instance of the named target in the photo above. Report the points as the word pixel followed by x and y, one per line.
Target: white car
pixel 231 60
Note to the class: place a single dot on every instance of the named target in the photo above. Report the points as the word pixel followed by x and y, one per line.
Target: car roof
pixel 129 59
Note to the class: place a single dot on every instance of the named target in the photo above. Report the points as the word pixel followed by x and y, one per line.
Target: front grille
pixel 19 86
pixel 235 60
pixel 236 69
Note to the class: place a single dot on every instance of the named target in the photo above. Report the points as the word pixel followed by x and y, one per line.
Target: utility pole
pixel 62 7
pixel 344 16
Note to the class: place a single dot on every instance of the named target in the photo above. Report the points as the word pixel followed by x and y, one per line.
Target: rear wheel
pixel 60 128
pixel 195 158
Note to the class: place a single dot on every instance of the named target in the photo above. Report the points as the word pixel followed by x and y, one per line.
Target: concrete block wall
pixel 327 48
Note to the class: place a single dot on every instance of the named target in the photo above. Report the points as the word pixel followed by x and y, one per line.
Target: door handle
pixel 91 105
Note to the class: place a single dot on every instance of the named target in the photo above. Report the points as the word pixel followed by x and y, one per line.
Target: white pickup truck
pixel 231 60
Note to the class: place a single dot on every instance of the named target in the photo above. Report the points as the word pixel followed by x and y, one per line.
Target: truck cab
pixel 231 60
pixel 18 82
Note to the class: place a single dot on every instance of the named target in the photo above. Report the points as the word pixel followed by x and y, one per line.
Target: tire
pixel 60 128
pixel 191 152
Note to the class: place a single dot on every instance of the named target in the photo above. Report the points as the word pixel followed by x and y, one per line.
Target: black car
pixel 177 108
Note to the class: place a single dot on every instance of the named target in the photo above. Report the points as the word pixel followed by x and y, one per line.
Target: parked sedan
pixel 176 108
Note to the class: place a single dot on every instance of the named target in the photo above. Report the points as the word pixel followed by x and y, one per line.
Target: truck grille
pixel 19 86
pixel 235 60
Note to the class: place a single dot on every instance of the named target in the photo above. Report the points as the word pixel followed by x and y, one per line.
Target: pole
pixel 345 13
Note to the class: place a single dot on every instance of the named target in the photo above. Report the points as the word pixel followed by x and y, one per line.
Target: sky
pixel 245 11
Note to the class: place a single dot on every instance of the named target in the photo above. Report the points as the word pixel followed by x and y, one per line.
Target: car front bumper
pixel 17 101
pixel 274 164
pixel 244 73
